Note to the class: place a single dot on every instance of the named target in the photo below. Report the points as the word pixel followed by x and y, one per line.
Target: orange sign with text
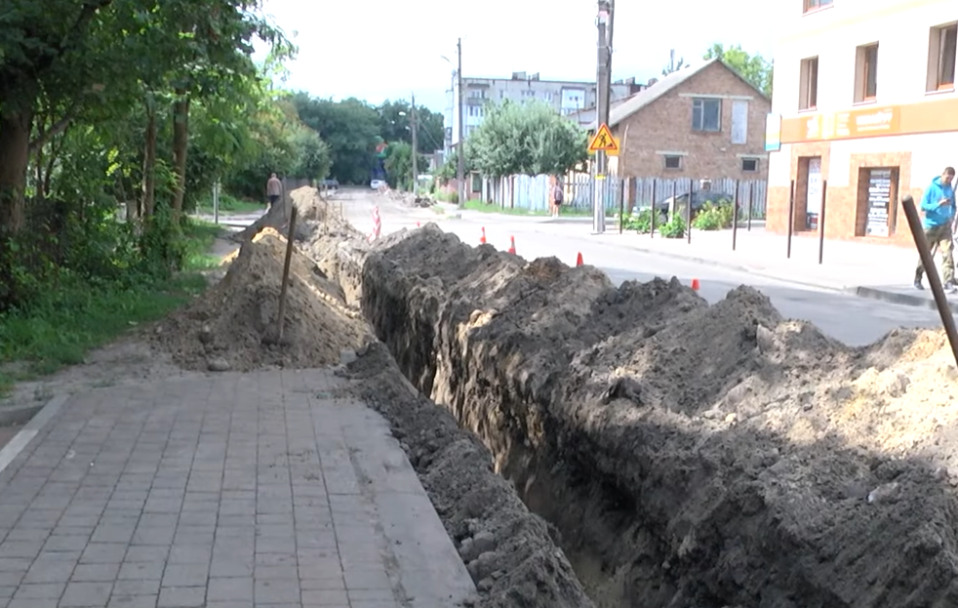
pixel 875 121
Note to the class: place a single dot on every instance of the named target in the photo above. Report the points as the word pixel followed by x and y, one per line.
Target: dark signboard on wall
pixel 879 202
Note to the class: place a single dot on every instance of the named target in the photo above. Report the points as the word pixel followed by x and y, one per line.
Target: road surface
pixel 850 319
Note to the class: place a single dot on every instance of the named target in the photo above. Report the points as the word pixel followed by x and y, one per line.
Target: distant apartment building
pixel 864 110
pixel 567 97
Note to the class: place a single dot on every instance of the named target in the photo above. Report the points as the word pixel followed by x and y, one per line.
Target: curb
pixel 900 298
pixel 22 414
pixel 32 428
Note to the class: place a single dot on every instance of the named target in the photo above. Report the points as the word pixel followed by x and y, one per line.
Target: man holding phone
pixel 938 204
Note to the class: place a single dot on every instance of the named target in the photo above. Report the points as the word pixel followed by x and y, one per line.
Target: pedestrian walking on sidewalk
pixel 938 204
pixel 558 195
pixel 274 190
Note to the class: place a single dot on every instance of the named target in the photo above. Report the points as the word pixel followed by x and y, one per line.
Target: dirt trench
pixel 690 456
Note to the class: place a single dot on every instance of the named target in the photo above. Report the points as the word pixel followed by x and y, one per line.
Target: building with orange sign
pixel 864 111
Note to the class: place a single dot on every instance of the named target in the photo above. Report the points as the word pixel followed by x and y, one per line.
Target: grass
pixel 564 210
pixel 230 205
pixel 77 317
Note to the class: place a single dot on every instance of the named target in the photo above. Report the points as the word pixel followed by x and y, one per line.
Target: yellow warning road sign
pixel 604 141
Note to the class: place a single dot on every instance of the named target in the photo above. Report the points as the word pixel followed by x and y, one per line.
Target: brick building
pixel 704 122
pixel 864 105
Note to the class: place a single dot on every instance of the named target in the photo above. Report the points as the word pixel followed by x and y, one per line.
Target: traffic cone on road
pixel 695 284
pixel 578 259
pixel 512 245
pixel 417 224
pixel 482 240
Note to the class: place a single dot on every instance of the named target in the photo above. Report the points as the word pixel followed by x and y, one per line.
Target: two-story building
pixel 864 111
pixel 701 122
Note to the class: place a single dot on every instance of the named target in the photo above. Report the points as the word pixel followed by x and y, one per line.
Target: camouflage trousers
pixel 941 238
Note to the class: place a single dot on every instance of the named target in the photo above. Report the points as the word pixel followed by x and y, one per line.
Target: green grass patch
pixel 62 327
pixel 230 205
pixel 77 316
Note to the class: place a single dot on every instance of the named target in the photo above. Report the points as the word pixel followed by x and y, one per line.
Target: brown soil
pixel 233 326
pixel 691 456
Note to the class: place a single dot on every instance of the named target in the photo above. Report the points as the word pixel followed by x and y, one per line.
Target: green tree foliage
pixel 394 125
pixel 399 165
pixel 528 138
pixel 350 128
pixel 754 68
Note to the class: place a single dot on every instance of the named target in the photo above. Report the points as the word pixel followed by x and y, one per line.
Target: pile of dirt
pixel 234 325
pixel 509 551
pixel 691 455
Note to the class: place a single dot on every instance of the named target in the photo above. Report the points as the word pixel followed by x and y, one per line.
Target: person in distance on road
pixel 938 205
pixel 274 190
pixel 558 195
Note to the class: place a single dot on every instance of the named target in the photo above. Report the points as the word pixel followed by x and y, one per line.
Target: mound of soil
pixel 691 456
pixel 509 552
pixel 233 326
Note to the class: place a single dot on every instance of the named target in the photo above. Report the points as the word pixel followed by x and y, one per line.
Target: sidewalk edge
pixel 900 298
pixel 32 428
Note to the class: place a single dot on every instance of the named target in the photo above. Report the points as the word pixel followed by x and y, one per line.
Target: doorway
pixel 813 192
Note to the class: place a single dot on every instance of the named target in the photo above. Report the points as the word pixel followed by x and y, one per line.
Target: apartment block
pixel 864 111
pixel 567 97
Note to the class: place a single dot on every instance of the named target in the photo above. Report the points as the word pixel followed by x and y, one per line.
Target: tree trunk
pixel 149 163
pixel 181 115
pixel 14 160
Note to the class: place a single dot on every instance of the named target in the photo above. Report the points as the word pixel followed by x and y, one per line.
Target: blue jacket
pixel 935 215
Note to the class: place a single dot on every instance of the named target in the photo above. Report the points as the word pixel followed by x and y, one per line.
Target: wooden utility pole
pixel 415 147
pixel 603 82
pixel 461 148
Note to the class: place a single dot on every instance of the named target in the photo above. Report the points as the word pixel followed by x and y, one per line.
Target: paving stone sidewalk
pixel 227 491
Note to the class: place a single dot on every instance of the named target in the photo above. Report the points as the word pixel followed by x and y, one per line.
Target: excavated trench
pixel 686 453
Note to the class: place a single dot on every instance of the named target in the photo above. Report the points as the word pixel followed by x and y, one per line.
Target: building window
pixel 808 87
pixel 750 165
pixel 866 73
pixel 707 115
pixel 814 5
pixel 942 52
pixel 673 162
pixel 528 93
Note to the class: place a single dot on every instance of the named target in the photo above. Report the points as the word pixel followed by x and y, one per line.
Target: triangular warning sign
pixel 603 140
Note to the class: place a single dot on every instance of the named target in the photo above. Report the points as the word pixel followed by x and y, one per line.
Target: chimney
pixel 652 81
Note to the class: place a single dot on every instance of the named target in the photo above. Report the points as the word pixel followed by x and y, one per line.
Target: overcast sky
pixel 389 49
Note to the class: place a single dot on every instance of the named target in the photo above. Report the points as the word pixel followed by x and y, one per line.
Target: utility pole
pixel 461 148
pixel 415 147
pixel 603 82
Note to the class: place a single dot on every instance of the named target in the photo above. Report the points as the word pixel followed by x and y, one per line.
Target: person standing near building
pixel 938 205
pixel 274 190
pixel 558 195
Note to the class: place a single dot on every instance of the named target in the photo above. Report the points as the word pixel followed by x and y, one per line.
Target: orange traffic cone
pixel 578 259
pixel 695 284
pixel 512 246
pixel 417 224
pixel 482 240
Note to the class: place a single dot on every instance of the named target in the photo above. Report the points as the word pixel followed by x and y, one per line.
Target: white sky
pixel 388 49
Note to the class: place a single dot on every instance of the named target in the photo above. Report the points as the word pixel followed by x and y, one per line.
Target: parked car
pixel 376 184
pixel 330 184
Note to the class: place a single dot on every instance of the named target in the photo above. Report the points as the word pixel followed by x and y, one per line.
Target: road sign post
pixel 603 144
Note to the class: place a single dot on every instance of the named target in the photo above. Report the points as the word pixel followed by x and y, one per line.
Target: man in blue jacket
pixel 938 204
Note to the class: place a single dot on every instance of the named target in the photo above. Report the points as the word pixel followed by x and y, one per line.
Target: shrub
pixel 674 228
pixel 714 216
pixel 641 222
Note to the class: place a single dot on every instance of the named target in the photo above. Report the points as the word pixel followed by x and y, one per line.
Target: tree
pixel 349 127
pixel 672 66
pixel 394 123
pixel 753 68
pixel 399 165
pixel 528 138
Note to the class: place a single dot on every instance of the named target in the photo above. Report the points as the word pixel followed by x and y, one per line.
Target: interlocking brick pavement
pixel 226 491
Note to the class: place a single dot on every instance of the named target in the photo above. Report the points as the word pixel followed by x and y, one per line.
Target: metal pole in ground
pixel 622 194
pixel 289 257
pixel 928 262
pixel 415 148
pixel 655 184
pixel 821 223
pixel 461 148
pixel 603 85
pixel 791 218
pixel 688 213
pixel 735 216
pixel 751 203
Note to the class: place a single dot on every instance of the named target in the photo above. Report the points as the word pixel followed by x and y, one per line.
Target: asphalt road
pixel 850 319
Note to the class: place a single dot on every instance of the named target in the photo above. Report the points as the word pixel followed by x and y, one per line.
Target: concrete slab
pixel 227 490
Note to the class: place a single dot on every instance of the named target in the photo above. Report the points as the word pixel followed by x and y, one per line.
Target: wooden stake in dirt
pixel 928 261
pixel 289 257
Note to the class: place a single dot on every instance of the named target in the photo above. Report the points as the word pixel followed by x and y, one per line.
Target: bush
pixel 641 222
pixel 674 228
pixel 714 216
